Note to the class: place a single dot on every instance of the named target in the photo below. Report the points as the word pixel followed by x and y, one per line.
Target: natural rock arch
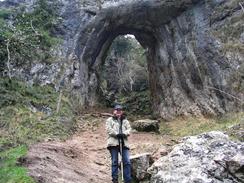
pixel 184 62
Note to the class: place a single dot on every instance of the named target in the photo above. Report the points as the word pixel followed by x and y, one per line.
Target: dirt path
pixel 83 158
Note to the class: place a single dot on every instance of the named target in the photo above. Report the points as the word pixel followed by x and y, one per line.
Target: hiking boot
pixel 115 181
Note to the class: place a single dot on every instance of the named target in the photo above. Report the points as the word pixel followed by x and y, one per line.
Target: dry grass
pixel 193 126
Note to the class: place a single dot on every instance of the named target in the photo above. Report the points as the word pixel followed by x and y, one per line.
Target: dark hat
pixel 118 106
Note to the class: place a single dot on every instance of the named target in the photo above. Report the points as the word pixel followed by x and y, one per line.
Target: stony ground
pixel 84 157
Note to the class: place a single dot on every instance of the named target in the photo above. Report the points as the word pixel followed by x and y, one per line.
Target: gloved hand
pixel 121 136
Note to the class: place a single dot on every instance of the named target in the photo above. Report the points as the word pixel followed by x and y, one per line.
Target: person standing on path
pixel 118 129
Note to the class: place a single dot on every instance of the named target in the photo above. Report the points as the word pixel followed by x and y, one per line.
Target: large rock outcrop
pixel 194 51
pixel 188 72
pixel 72 18
pixel 209 157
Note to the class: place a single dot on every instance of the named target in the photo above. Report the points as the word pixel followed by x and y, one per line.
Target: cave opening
pixel 140 98
pixel 183 61
pixel 123 76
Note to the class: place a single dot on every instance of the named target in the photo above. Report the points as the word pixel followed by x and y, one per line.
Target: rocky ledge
pixel 207 158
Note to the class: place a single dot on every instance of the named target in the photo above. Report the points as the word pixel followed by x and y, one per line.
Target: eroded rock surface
pixel 194 51
pixel 189 71
pixel 209 157
pixel 140 163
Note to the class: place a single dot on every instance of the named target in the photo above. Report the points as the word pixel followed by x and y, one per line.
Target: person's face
pixel 118 112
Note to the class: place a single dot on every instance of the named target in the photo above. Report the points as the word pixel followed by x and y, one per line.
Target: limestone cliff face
pixel 194 51
pixel 73 17
pixel 189 74
pixel 192 73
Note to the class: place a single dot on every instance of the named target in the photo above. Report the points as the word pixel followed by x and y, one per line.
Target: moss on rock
pixel 28 114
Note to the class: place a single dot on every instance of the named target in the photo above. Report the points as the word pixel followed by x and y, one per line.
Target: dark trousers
pixel 114 151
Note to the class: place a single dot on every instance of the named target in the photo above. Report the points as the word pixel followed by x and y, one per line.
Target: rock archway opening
pixel 187 71
pixel 119 70
pixel 123 76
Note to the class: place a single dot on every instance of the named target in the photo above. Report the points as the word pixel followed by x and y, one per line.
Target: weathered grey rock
pixel 209 157
pixel 236 166
pixel 146 125
pixel 39 108
pixel 73 18
pixel 194 57
pixel 140 163
pixel 11 3
pixel 162 151
pixel 188 72
pixel 242 38
pixel 36 68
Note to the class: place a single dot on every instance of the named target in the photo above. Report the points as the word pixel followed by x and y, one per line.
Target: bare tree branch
pixel 241 7
pixel 9 58
pixel 242 101
pixel 34 29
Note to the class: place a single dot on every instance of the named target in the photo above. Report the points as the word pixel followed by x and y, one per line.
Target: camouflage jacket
pixel 113 127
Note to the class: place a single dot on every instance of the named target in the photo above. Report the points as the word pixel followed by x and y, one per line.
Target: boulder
pixel 162 151
pixel 140 163
pixel 146 125
pixel 209 157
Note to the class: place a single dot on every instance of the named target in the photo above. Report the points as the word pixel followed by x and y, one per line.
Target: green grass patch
pixel 193 126
pixel 10 172
pixel 28 115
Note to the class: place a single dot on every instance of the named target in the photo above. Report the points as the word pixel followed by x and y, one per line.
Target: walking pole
pixel 121 150
pixel 121 154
